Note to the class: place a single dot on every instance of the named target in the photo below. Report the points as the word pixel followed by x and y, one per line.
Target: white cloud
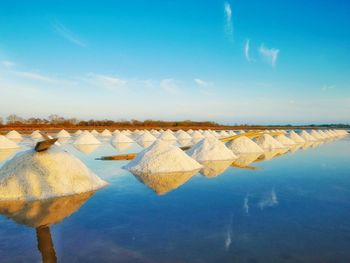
pixel 229 23
pixel 201 82
pixel 105 81
pixel 64 32
pixel 328 87
pixel 8 64
pixel 169 85
pixel 246 50
pixel 269 54
pixel 33 76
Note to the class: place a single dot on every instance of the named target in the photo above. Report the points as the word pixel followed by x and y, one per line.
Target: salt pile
pixel 78 132
pixel 295 137
pixel 244 145
pixel 162 157
pixel 146 137
pixel 182 135
pixel 197 135
pixel 190 131
pixel 106 133
pixel 167 136
pixel 32 175
pixel 307 137
pixel 208 134
pixel 285 140
pixel 7 143
pixel 14 135
pixel 316 135
pixel 116 132
pixel 266 141
pixel 121 138
pixel 210 149
pixel 95 133
pixel 323 134
pixel 86 138
pixel 63 134
pixel 36 135
pixel 224 134
pixel 232 133
pixel 241 132
pixel 155 133
pixel 86 148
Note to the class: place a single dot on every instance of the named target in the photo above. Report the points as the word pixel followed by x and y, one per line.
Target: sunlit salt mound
pixel 155 133
pixel 182 135
pixel 43 212
pixel 197 135
pixel 162 157
pixel 231 133
pixel 214 168
pixel 86 138
pixel 78 132
pixel 63 134
pixel 106 133
pixel 95 133
pixel 146 137
pixel 316 135
pixel 14 135
pixel 7 143
pixel 307 137
pixel 267 142
pixel 167 136
pixel 35 135
pixel 208 134
pixel 32 175
pixel 285 140
pixel 244 145
pixel 330 133
pixel 190 131
pixel 210 149
pixel 121 138
pixel 224 134
pixel 295 137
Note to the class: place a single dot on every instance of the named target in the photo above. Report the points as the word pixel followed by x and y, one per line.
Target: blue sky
pixel 239 61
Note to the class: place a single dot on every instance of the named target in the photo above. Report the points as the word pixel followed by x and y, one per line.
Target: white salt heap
pixel 190 131
pixel 323 134
pixel 197 135
pixel 106 133
pixel 95 133
pixel 121 138
pixel 285 140
pixel 232 133
pixel 295 137
pixel 316 135
pixel 7 143
pixel 14 135
pixel 224 134
pixel 155 133
pixel 208 134
pixel 63 134
pixel 86 138
pixel 210 149
pixel 34 175
pixel 267 142
pixel 182 135
pixel 307 137
pixel 146 137
pixel 36 135
pixel 78 132
pixel 162 157
pixel 243 145
pixel 167 136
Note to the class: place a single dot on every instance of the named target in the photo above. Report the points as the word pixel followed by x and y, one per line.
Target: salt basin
pixel 7 143
pixel 285 140
pixel 210 149
pixel 244 145
pixel 295 137
pixel 162 157
pixel 121 138
pixel 32 175
pixel 14 135
pixel 63 134
pixel 86 138
pixel 267 142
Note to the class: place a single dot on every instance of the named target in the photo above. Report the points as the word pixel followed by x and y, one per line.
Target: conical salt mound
pixel 14 135
pixel 295 137
pixel 32 175
pixel 95 133
pixel 7 143
pixel 63 134
pixel 285 140
pixel 307 137
pixel 35 135
pixel 167 136
pixel 231 133
pixel 78 132
pixel 207 134
pixel 121 138
pixel 162 157
pixel 182 135
pixel 190 131
pixel 146 137
pixel 243 145
pixel 197 135
pixel 267 142
pixel 86 138
pixel 316 135
pixel 155 133
pixel 106 133
pixel 224 134
pixel 323 134
pixel 210 149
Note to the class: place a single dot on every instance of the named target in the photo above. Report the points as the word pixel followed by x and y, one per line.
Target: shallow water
pixel 286 207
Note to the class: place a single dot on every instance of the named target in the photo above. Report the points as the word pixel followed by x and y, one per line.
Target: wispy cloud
pixel 328 87
pixel 8 64
pixel 246 50
pixel 33 76
pixel 169 85
pixel 229 23
pixel 66 33
pixel 269 54
pixel 201 82
pixel 106 81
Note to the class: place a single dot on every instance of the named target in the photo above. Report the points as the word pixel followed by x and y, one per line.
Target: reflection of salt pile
pixel 266 141
pixel 121 138
pixel 162 157
pixel 295 137
pixel 245 159
pixel 86 138
pixel 210 149
pixel 63 134
pixel 34 175
pixel 182 135
pixel 167 136
pixel 272 153
pixel 284 140
pixel 307 137
pixel 244 145
pixel 214 168
pixel 7 143
pixel 106 133
pixel 14 135
pixel 35 135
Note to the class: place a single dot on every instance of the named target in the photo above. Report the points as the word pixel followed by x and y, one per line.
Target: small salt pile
pixel 190 131
pixel 162 157
pixel 316 135
pixel 95 133
pixel 155 133
pixel 7 143
pixel 231 133
pixel 167 136
pixel 285 140
pixel 78 132
pixel 121 138
pixel 244 145
pixel 210 149
pixel 208 134
pixel 307 137
pixel 241 132
pixel 331 133
pixel 323 134
pixel 182 135
pixel 13 135
pixel 35 135
pixel 86 138
pixel 267 142
pixel 63 134
pixel 146 137
pixel 32 175
pixel 106 133
pixel 197 135
pixel 295 137
pixel 224 134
